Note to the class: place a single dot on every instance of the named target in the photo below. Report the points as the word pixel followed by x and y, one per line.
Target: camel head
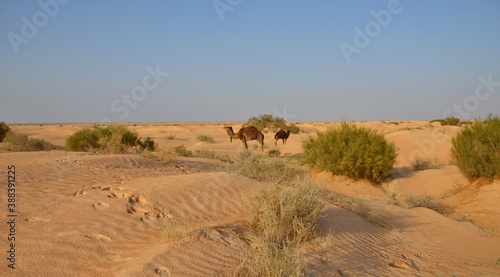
pixel 230 132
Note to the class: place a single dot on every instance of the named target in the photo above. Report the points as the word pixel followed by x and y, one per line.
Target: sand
pixel 80 214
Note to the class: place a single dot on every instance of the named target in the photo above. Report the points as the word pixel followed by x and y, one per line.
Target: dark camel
pixel 246 133
pixel 281 134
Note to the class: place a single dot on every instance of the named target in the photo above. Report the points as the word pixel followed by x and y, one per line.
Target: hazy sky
pixel 227 60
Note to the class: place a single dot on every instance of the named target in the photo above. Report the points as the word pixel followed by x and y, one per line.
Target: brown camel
pixel 246 133
pixel 281 134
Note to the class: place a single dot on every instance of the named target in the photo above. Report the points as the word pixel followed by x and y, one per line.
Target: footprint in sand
pixel 118 195
pixel 100 205
pixel 162 271
pixel 98 236
pixel 136 209
pixel 36 219
pixel 80 192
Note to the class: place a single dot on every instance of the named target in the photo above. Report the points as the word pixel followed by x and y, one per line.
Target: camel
pixel 246 133
pixel 281 134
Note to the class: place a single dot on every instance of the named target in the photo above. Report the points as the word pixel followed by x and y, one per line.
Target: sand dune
pixel 81 214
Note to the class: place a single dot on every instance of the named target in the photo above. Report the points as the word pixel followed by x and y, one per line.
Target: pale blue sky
pixel 85 61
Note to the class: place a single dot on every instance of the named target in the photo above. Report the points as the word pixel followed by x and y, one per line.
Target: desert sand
pixel 83 214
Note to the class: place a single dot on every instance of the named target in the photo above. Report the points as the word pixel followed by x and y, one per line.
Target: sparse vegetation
pixel 274 153
pixel 205 138
pixel 428 202
pixel 112 139
pixel 164 156
pixel 286 216
pixel 449 121
pixel 356 152
pixel 354 205
pixel 207 154
pixel 4 129
pixel 420 163
pixel 182 150
pixel 259 167
pixel 19 142
pixel 283 217
pixel 272 261
pixel 476 149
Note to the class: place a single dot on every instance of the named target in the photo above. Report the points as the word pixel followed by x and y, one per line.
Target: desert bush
pixel 19 142
pixel 420 163
pixel 450 121
pixel 266 122
pixel 272 261
pixel 120 140
pixel 260 167
pixel 83 140
pixel 182 150
pixel 476 149
pixel 148 144
pixel 286 216
pixel 356 152
pixel 112 139
pixel 205 138
pixel 294 129
pixel 4 129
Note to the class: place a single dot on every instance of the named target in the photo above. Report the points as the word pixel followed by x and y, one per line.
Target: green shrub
pixel 476 149
pixel 83 140
pixel 148 144
pixel 294 129
pixel 451 121
pixel 18 142
pixel 205 138
pixel 4 129
pixel 181 150
pixel 112 139
pixel 267 122
pixel 356 152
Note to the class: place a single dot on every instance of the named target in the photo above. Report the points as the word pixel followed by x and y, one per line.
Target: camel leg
pixel 276 142
pixel 245 143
